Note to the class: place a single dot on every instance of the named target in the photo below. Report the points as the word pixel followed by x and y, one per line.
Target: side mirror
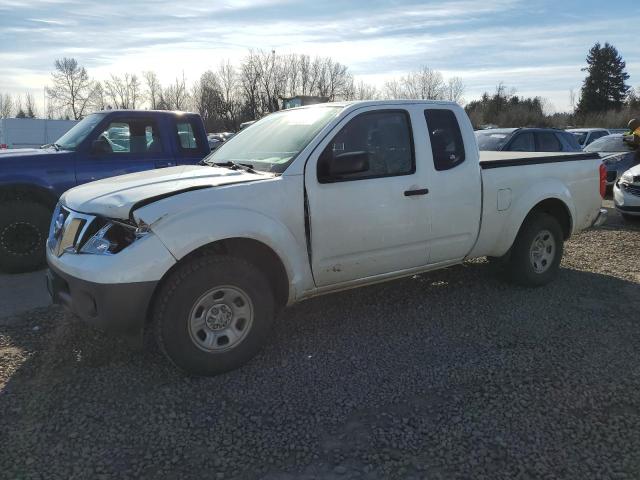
pixel 348 163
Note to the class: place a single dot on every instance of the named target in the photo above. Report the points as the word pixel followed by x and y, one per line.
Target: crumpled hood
pixel 114 197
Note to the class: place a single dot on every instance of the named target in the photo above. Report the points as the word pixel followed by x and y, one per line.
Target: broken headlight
pixel 110 237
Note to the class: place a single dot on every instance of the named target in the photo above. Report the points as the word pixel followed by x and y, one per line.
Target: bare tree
pixel 424 84
pixel 100 98
pixel 154 89
pixel 250 85
pixel 272 79
pixel 72 90
pixel 361 91
pixel 307 79
pixel 30 106
pixel 124 92
pixel 175 96
pixel 393 89
pixel 455 90
pixel 231 95
pixel 6 105
pixel 335 79
pixel 207 100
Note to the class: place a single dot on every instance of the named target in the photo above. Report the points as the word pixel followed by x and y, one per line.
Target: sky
pixel 535 47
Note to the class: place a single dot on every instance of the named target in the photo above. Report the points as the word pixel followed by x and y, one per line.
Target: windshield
pixel 610 143
pixel 272 143
pixel 488 140
pixel 71 139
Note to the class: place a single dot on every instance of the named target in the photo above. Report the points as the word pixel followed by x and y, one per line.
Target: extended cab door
pixel 367 198
pixel 456 189
pixel 122 144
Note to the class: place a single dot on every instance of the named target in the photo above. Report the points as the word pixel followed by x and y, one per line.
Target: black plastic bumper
pixel 119 308
pixel 628 209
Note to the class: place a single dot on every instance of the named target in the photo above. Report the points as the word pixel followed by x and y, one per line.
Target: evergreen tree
pixel 21 114
pixel 604 88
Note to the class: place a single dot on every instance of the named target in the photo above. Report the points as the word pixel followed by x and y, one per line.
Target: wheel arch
pixel 557 209
pixel 22 191
pixel 254 251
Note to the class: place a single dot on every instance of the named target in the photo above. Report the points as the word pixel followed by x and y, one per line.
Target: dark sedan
pixel 617 155
pixel 527 140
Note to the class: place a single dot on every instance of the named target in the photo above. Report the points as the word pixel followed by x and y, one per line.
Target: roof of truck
pixel 141 112
pixel 586 129
pixel 367 103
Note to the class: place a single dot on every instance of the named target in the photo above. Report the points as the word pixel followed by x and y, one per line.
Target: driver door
pixel 123 145
pixel 367 199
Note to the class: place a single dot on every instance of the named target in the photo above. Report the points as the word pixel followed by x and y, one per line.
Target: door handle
pixel 413 193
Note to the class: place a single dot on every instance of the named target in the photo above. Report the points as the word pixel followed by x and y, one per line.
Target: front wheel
pixel 213 314
pixel 537 251
pixel 24 226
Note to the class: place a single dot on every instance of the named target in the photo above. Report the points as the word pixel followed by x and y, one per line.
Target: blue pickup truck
pixel 103 144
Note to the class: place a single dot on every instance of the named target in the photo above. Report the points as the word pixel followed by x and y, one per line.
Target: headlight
pixel 111 237
pixel 627 178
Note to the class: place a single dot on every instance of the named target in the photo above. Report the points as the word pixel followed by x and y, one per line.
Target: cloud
pixel 526 44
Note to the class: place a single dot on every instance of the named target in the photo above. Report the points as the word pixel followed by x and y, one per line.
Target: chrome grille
pixel 67 230
pixel 632 189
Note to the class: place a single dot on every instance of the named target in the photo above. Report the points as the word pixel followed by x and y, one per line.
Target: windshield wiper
pixel 235 166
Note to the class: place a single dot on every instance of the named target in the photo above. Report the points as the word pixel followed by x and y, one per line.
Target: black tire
pixel 183 290
pixel 522 268
pixel 24 227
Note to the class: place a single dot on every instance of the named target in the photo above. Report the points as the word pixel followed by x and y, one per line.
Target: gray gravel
pixel 454 374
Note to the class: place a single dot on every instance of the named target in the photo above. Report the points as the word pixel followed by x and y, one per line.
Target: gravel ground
pixel 453 374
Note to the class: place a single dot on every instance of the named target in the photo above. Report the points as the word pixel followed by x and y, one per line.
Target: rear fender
pixel 505 235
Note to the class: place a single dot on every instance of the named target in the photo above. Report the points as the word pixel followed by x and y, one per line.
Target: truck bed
pixel 489 159
pixel 513 182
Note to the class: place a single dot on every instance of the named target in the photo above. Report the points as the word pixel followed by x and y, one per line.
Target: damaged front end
pixel 77 233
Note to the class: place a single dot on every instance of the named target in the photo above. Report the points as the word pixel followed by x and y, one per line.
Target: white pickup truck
pixel 302 203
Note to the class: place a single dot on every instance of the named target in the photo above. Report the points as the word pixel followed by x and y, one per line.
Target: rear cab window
pixel 446 138
pixel 189 142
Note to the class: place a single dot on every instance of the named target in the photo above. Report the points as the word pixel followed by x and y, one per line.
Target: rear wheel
pixel 213 314
pixel 537 251
pixel 24 228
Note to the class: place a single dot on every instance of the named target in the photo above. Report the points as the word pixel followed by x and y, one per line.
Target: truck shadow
pixel 427 348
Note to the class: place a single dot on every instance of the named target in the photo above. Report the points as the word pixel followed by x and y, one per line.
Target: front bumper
pixel 120 307
pixel 627 199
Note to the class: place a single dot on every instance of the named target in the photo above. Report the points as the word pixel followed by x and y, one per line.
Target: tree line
pixel 605 99
pixel 231 94
pixel 10 106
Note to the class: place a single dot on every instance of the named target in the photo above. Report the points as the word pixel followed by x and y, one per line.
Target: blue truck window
pixel 130 136
pixel 186 136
